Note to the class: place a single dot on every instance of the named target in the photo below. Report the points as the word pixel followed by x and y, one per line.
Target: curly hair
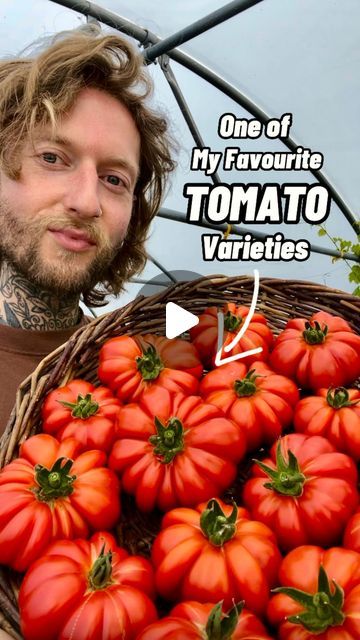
pixel 36 91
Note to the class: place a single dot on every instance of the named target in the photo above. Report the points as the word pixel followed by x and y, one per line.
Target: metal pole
pixel 228 89
pixel 183 106
pixel 159 266
pixel 109 18
pixel 196 28
pixel 145 37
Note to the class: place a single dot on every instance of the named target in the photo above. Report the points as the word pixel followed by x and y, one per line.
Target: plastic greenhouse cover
pixel 300 58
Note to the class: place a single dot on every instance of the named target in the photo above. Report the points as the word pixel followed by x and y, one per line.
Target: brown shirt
pixel 20 353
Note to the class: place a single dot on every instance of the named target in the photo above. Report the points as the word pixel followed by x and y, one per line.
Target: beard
pixel 66 273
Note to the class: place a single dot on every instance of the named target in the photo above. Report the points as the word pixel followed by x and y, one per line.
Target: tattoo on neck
pixel 24 306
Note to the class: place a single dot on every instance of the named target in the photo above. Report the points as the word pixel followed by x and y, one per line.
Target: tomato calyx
pixel 99 576
pixel 55 482
pixel 322 609
pixel 221 626
pixel 339 397
pixel 215 525
pixel 287 478
pixel 232 322
pixel 149 364
pixel 83 408
pixel 246 386
pixel 169 440
pixel 314 333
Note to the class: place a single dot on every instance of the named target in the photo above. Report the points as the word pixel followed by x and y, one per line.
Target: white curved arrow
pixel 219 360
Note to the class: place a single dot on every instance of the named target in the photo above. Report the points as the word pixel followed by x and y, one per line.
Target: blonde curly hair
pixel 38 90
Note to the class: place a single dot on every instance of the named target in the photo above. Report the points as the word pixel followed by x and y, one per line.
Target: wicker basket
pixel 279 300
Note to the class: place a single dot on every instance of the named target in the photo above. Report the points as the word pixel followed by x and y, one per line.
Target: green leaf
pixel 345 245
pixel 354 275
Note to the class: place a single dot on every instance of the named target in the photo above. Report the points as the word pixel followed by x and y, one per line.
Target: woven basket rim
pixel 158 298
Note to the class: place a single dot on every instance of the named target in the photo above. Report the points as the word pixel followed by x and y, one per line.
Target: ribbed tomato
pixel 196 621
pixel 305 492
pixel 86 590
pixel 131 365
pixel 260 401
pixel 51 492
pixel 175 450
pixel 213 553
pixel 82 411
pixel 352 532
pixel 320 352
pixel 205 334
pixel 333 413
pixel 320 597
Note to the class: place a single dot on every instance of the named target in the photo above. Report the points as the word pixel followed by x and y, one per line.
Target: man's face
pixel 64 219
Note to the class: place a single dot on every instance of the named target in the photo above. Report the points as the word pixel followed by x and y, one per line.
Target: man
pixel 83 166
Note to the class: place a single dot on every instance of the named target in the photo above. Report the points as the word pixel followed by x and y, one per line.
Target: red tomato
pixel 334 414
pixel 260 401
pixel 130 365
pixel 329 582
pixel 175 450
pixel 352 533
pixel 213 553
pixel 205 334
pixel 195 621
pixel 311 493
pixel 82 411
pixel 51 492
pixel 86 590
pixel 321 352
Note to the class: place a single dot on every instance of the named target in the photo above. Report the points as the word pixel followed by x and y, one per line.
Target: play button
pixel 178 320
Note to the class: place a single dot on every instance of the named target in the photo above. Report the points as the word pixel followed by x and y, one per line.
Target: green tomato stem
pixel 313 333
pixel 339 397
pixel 232 322
pixel 83 408
pixel 99 576
pixel 149 364
pixel 169 439
pixel 322 609
pixel 55 482
pixel 287 478
pixel 247 386
pixel 215 525
pixel 221 626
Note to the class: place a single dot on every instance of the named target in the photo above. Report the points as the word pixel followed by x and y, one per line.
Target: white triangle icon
pixel 178 320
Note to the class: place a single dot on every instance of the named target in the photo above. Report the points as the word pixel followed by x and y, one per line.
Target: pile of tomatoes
pixel 282 560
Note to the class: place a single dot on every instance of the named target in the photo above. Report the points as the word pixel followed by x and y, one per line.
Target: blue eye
pixel 115 180
pixel 50 157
